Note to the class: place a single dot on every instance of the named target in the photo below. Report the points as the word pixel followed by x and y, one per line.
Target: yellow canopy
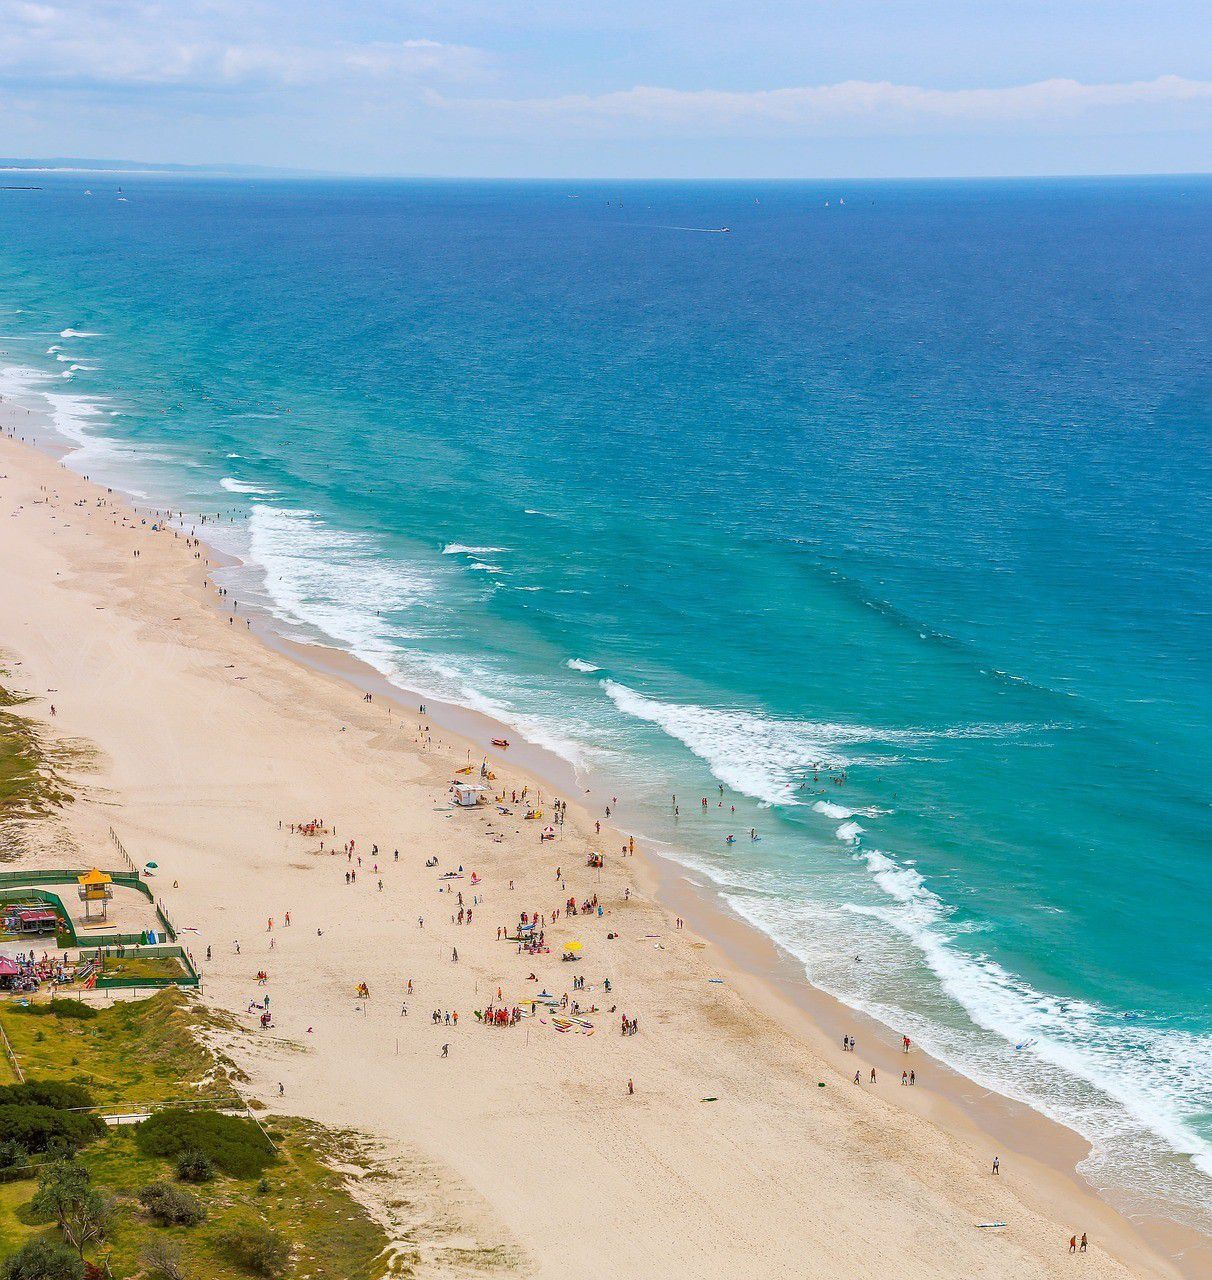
pixel 572 946
pixel 95 877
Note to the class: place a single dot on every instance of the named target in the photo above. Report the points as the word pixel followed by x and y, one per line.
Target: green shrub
pixel 257 1249
pixel 232 1143
pixel 39 1128
pixel 172 1207
pixel 61 1009
pixel 193 1166
pixel 162 1259
pixel 43 1260
pixel 45 1093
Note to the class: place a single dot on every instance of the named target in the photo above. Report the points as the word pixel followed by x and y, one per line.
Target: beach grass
pixel 30 783
pixel 131 1052
pixel 153 1050
pixel 144 968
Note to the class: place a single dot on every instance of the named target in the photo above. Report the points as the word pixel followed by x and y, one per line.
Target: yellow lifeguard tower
pixel 95 886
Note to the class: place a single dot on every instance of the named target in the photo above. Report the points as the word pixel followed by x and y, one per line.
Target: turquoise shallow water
pixel 908 481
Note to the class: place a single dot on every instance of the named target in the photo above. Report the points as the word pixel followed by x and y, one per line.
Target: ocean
pixel 879 521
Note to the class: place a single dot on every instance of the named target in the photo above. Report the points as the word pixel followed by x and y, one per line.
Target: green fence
pixel 11 881
pixel 189 978
pixel 128 879
pixel 64 921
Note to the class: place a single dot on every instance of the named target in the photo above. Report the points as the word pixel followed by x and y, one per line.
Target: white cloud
pixel 878 104
pixel 117 43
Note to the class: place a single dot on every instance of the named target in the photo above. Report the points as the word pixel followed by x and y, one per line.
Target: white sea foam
pixel 766 757
pixel 459 549
pixel 839 812
pixel 77 333
pixel 482 567
pixel 850 832
pixel 346 587
pixel 760 756
pixel 72 416
pixel 1130 1088
pixel 577 665
pixel 242 486
pixel 1152 1073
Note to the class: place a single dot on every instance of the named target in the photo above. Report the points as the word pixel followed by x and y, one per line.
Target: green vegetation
pixel 257 1248
pixel 42 1259
pixel 34 1129
pixel 142 1051
pixel 144 968
pixel 282 1213
pixel 195 1166
pixel 59 1008
pixel 171 1206
pixel 29 781
pixel 231 1143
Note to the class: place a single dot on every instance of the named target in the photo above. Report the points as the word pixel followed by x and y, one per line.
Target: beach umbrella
pixel 572 946
pixel 153 865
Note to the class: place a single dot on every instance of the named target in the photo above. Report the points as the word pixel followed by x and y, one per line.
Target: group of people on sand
pixel 908 1077
pixel 494 1016
pixel 312 827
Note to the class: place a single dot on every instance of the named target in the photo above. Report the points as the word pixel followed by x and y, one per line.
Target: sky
pixel 615 88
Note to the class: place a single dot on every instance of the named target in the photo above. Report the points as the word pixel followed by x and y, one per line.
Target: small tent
pixel 467 794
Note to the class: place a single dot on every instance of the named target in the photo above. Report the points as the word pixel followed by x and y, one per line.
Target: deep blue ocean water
pixel 908 481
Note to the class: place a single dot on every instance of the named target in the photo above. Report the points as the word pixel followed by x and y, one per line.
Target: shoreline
pixel 774 978
pixel 769 977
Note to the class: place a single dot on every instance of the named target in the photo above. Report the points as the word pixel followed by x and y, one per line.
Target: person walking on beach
pixel 446 1051
pixel 631 1090
pixel 872 1075
pixel 997 1165
pixel 1084 1243
pixel 1072 1244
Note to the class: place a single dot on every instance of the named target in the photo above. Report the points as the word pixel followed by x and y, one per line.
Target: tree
pixel 66 1193
pixel 90 1218
pixel 60 1185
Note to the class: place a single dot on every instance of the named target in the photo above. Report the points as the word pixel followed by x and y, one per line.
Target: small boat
pixel 500 742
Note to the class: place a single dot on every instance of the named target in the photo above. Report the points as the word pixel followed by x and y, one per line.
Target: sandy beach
pixel 746 1147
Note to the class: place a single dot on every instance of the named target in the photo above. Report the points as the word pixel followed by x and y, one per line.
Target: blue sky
pixel 646 89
